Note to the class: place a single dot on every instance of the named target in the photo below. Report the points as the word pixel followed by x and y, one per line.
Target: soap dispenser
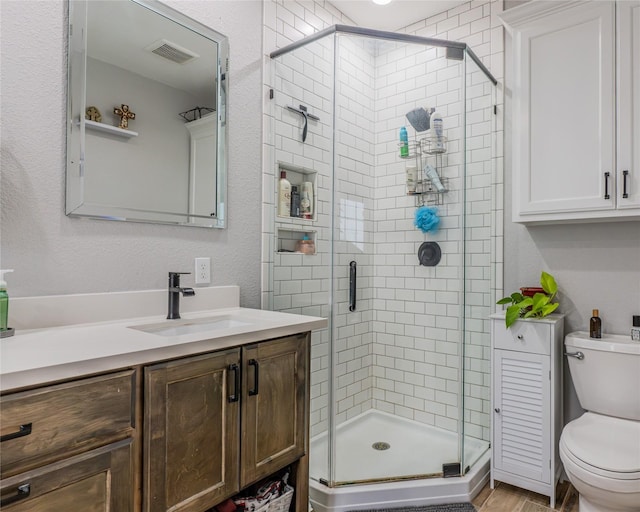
pixel 5 330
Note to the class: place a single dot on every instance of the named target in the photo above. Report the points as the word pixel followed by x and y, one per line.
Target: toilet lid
pixel 610 444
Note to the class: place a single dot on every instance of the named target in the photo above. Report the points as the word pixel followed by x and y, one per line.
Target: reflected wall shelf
pixel 113 130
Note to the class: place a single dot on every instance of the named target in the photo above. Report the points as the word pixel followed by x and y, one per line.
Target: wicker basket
pixel 282 503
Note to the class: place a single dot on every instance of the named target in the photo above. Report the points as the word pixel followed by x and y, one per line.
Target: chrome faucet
pixel 174 294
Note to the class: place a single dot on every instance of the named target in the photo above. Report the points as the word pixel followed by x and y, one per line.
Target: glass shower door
pixel 298 275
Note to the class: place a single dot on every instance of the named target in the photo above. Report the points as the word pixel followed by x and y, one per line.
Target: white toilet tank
pixel 607 378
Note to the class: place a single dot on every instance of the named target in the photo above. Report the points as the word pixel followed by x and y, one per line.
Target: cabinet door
pixel 274 407
pixel 191 442
pixel 522 421
pixel 564 106
pixel 95 481
pixel 628 26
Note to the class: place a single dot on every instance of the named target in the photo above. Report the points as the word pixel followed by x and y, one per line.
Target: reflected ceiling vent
pixel 171 51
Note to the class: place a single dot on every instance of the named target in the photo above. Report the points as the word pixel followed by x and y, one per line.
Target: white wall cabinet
pixel 527 402
pixel 576 110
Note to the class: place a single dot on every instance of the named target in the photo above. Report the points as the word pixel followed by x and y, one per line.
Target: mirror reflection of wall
pixel 163 167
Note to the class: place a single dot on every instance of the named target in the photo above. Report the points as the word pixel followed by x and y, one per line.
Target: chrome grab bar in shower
pixel 577 355
pixel 352 285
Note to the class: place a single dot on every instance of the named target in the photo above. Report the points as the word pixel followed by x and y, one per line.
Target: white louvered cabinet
pixel 526 400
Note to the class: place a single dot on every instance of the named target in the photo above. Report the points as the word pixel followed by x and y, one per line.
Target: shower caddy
pixel 420 149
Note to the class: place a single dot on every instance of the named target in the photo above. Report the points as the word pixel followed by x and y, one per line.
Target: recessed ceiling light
pixel 381 2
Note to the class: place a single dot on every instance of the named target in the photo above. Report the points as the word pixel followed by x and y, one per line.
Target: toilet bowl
pixel 600 450
pixel 601 456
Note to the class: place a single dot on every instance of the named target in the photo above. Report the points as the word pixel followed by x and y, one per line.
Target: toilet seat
pixel 603 445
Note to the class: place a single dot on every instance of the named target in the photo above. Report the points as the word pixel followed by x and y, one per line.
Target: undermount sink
pixel 190 326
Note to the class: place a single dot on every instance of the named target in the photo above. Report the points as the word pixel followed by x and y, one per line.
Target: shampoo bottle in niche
pixel 284 196
pixel 306 201
pixel 437 133
pixel 404 142
pixel 595 325
pixel 5 330
pixel 295 202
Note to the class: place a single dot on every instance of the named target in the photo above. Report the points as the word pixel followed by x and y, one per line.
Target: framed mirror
pixel 146 115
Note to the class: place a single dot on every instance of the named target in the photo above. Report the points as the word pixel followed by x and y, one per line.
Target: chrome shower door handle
pixel 578 355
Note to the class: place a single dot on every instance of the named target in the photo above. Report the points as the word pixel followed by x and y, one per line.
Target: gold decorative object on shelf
pixel 93 114
pixel 125 114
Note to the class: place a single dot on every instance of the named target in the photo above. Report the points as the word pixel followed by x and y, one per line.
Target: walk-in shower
pixel 400 379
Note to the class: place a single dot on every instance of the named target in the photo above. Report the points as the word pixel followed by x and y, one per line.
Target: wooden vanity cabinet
pixel 217 423
pixel 180 435
pixel 70 446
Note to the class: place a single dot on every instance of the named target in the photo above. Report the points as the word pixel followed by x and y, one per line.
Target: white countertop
pixel 39 356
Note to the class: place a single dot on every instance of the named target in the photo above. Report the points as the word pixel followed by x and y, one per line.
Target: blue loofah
pixel 427 219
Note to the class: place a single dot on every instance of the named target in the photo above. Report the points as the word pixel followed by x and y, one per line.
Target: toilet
pixel 600 450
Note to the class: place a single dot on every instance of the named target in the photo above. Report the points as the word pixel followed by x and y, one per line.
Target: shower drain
pixel 380 445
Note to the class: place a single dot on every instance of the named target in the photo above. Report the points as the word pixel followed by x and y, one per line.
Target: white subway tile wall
pixel 400 351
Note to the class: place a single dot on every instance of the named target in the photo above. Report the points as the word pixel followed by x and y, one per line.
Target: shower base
pixel 414 450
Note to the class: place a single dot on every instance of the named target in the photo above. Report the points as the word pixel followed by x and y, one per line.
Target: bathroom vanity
pixel 160 415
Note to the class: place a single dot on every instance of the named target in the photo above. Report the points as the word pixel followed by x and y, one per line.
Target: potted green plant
pixel 537 306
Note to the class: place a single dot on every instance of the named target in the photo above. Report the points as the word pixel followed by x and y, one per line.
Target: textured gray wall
pixel 55 254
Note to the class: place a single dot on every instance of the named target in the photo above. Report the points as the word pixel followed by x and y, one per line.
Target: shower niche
pixel 305 182
pixel 409 367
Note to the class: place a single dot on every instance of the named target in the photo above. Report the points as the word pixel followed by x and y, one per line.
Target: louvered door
pixel 522 423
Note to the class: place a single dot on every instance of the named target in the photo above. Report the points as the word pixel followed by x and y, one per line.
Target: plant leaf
pixel 512 314
pixel 516 297
pixel 524 303
pixel 549 308
pixel 540 300
pixel 548 283
pixel 506 300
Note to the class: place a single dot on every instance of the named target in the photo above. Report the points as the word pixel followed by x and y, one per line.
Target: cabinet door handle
pixel 497 409
pixel 235 396
pixel 256 376
pixel 25 430
pixel 22 492
pixel 606 185
pixel 520 337
pixel 625 194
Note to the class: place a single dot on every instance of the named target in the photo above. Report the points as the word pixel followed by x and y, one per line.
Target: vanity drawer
pixel 54 422
pixel 522 336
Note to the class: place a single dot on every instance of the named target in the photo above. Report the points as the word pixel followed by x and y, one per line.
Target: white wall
pixel 154 180
pixel 54 254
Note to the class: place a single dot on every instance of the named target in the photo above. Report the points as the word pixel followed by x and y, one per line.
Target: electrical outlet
pixel 203 270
